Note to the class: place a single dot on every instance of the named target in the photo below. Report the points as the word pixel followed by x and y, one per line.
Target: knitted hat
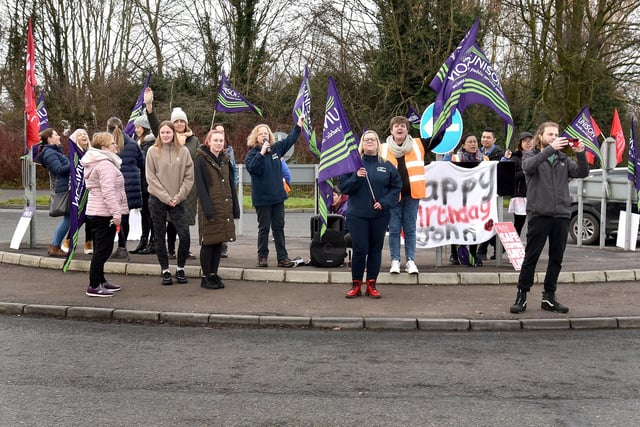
pixel 178 114
pixel 143 122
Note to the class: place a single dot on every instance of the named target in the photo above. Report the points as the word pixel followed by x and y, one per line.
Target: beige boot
pixel 88 248
pixel 66 243
pixel 56 251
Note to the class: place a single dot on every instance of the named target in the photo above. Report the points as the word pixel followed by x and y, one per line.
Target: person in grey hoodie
pixel 106 205
pixel 547 171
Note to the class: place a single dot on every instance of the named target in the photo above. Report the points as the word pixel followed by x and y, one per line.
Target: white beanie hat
pixel 178 114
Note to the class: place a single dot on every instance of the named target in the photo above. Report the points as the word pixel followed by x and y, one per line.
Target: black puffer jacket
pixel 132 165
pixel 521 184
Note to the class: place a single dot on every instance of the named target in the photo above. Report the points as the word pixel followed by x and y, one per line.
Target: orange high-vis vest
pixel 414 161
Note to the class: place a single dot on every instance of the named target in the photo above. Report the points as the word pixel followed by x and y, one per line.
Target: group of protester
pixel 384 194
pixel 155 174
pixel 178 177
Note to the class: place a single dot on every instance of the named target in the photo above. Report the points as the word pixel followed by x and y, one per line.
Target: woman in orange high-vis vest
pixel 407 155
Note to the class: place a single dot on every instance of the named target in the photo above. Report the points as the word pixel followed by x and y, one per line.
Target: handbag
pixel 59 204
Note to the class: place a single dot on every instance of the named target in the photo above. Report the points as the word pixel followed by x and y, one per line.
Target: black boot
pixel 521 303
pixel 225 251
pixel 150 249
pixel 550 303
pixel 143 244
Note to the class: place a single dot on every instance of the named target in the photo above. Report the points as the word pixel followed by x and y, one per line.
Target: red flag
pixel 616 132
pixel 590 157
pixel 30 107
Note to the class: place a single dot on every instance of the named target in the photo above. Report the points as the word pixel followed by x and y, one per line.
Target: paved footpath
pixel 599 285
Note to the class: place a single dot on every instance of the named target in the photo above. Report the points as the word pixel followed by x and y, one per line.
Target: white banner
pixel 460 206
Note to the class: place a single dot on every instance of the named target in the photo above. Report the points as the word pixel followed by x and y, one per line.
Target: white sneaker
pixel 395 266
pixel 411 267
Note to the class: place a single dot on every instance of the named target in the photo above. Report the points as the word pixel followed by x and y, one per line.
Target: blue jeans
pixel 368 241
pixel 61 230
pixel 403 216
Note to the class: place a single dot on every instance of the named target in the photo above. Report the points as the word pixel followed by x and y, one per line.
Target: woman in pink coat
pixel 105 207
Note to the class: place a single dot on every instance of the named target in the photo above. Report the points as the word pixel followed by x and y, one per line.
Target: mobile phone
pixel 574 142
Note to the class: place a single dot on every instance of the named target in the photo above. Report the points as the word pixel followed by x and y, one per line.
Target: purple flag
pixel 582 127
pixel 130 128
pixel 303 106
pixel 414 117
pixel 339 150
pixel 633 165
pixel 77 201
pixel 470 80
pixel 41 108
pixel 231 101
pixel 443 72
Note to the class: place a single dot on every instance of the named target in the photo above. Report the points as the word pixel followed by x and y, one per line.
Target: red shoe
pixel 371 289
pixel 355 289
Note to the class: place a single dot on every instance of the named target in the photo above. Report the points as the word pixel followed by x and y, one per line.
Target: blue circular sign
pixel 451 135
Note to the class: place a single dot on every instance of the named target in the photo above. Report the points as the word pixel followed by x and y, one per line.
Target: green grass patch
pixel 300 197
pixel 19 201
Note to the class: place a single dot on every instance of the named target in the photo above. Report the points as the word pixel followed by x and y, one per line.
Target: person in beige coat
pixel 169 171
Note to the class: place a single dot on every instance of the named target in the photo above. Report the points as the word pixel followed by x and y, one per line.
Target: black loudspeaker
pixel 330 250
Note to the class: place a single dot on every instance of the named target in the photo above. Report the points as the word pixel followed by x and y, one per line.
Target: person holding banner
pixel 547 171
pixel 407 155
pixel 57 164
pixel 267 192
pixel 495 153
pixel 373 192
pixel 468 152
pixel 106 204
pixel 80 137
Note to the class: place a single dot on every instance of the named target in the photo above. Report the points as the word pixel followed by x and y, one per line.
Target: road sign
pixel 451 135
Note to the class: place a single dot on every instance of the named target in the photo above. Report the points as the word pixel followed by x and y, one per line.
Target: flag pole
pixel 213 119
pixel 371 189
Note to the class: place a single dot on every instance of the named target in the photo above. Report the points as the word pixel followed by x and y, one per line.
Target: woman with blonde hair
pixel 106 205
pixel 80 137
pixel 373 190
pixel 169 172
pixel 267 192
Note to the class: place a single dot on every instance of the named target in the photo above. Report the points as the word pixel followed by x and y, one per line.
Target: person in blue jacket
pixel 57 164
pixel 267 192
pixel 373 190
pixel 132 165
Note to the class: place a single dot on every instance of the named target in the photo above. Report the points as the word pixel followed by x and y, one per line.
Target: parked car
pixel 592 193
